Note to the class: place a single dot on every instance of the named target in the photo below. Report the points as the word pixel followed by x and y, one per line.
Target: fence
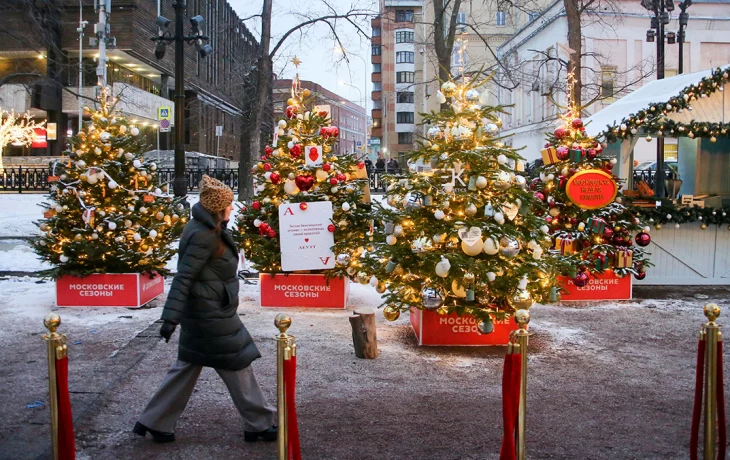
pixel 22 179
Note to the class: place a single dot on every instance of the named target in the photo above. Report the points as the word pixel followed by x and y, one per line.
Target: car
pixel 670 168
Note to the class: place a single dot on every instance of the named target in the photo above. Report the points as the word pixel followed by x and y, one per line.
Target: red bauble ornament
pixel 296 150
pixel 618 240
pixel 326 167
pixel 341 177
pixel 263 230
pixel 640 275
pixel 591 154
pixel 268 150
pixel 324 131
pixel 331 228
pixel 540 196
pixel 256 205
pixel 267 167
pixel 608 232
pixel 334 131
pixel 560 132
pixel 643 239
pixel 271 234
pixel 361 165
pixel 275 178
pixel 547 144
pixel 562 152
pixel 333 181
pixel 573 220
pixel 577 123
pixel 303 206
pixel 304 183
pixel 581 279
pixel 291 112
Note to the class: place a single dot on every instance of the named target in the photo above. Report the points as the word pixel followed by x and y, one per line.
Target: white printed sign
pixel 313 155
pixel 306 242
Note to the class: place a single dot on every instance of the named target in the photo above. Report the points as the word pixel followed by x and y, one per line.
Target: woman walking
pixel 203 299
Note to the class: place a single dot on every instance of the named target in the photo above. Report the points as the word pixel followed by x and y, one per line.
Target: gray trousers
pixel 168 403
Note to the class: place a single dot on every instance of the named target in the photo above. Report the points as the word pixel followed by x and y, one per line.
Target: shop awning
pixel 714 108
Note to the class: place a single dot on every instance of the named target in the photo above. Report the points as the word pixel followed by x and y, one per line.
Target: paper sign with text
pixel 306 243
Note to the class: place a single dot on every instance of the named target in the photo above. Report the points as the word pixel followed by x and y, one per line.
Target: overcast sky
pixel 316 47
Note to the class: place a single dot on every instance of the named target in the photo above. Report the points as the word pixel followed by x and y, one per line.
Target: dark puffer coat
pixel 203 299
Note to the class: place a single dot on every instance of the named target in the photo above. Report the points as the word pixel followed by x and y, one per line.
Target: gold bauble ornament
pixel 291 101
pixel 442 310
pixel 306 93
pixel 703 226
pixel 78 237
pixel 522 300
pixel 326 148
pixel 391 313
pixel 380 288
pixel 458 289
pixel 658 226
pixel 363 278
pixel 469 278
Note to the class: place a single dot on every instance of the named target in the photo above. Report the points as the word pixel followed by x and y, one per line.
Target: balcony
pixel 377 76
pixel 403 3
pixel 377 113
pixel 376 40
pixel 376 132
pixel 376 95
pixel 376 59
pixel 375 22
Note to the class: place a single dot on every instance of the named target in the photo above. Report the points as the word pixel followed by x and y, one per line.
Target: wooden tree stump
pixel 364 336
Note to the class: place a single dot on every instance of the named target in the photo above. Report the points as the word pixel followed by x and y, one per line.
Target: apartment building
pixel 349 117
pixel 40 71
pixel 617 59
pixel 405 68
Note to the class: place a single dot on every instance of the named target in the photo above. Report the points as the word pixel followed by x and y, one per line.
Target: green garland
pixel 652 119
pixel 670 214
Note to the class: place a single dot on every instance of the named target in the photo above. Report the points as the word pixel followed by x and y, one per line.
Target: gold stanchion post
pixel 282 322
pixel 53 339
pixel 712 336
pixel 522 317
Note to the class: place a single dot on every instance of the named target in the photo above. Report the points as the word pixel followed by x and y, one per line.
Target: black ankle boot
pixel 157 436
pixel 268 435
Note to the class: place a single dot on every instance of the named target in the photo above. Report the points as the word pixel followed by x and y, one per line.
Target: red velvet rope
pixel 290 381
pixel 507 452
pixel 697 409
pixel 516 383
pixel 66 443
pixel 721 421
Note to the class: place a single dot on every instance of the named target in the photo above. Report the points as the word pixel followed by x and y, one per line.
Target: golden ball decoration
pixel 363 278
pixel 442 310
pixel 44 227
pixel 658 226
pixel 522 317
pixel 712 311
pixel 391 313
pixel 282 322
pixel 703 226
pixel 78 237
pixel 522 300
pixel 380 288
pixel 306 93
pixel 469 277
pixel 52 321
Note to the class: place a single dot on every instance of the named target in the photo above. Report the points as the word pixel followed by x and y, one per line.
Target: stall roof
pixel 657 91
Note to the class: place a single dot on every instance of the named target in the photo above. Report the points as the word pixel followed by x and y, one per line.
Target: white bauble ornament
pixel 321 175
pixel 129 156
pixel 137 164
pixel 581 227
pixel 59 208
pixel 482 182
pixel 470 210
pixel 97 150
pixel 112 226
pixel 491 276
pixel 346 206
pixel 105 136
pixel 94 236
pixel 373 281
pixel 490 247
pixel 134 131
pixel 472 249
pixel 443 267
pixel 130 207
pixel 137 237
pixel 290 187
pixel 439 214
pixel 545 229
pixel 397 230
pixel 391 240
pixel 499 218
pixel 63 258
pixel 153 234
pixel 123 129
pixel 92 179
pixel 257 223
pixel 501 159
pixel 81 164
pixel 282 123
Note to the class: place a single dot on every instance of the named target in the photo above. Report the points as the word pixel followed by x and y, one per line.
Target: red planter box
pixel 606 286
pixel 131 290
pixel 445 330
pixel 303 290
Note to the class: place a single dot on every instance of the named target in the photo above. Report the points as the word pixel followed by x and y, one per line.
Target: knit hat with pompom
pixel 215 196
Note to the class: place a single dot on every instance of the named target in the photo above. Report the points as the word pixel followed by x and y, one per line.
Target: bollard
pixel 712 337
pixel 521 339
pixel 282 322
pixel 62 437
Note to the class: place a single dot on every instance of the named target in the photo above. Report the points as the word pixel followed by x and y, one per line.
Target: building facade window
pixel 405 138
pixel 404 16
pixel 461 18
pixel 404 117
pixel 377 68
pixel 501 18
pixel 405 77
pixel 376 31
pixel 376 50
pixel 608 80
pixel 377 105
pixel 376 122
pixel 377 86
pixel 404 37
pixel 405 57
pixel 405 97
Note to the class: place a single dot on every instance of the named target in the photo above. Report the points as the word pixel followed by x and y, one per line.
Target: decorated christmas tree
pixel 462 237
pixel 591 227
pixel 106 212
pixel 318 198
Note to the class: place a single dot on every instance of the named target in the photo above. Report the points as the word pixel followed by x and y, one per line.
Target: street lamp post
pixel 683 18
pixel 180 183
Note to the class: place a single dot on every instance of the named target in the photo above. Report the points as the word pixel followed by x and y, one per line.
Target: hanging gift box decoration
pixel 624 258
pixel 566 245
pixel 577 155
pixel 549 155
pixel 601 262
pixel 596 225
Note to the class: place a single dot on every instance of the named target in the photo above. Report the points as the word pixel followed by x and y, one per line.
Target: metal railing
pixel 24 179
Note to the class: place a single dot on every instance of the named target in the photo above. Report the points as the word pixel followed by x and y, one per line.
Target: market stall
pixel 691 243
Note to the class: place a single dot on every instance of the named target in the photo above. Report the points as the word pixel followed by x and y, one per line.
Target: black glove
pixel 167 329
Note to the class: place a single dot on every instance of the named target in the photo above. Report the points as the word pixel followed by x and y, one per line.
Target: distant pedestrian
pixel 368 165
pixel 203 299
pixel 380 165
pixel 392 165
